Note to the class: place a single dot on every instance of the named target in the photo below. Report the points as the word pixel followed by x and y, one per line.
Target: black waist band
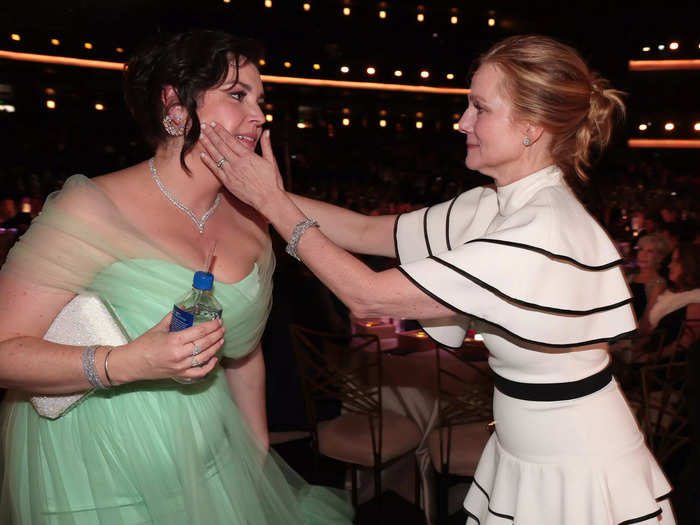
pixel 554 391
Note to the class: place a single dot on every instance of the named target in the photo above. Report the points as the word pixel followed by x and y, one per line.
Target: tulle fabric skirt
pixel 574 462
pixel 156 453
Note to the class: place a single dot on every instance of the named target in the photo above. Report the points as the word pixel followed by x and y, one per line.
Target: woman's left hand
pixel 250 177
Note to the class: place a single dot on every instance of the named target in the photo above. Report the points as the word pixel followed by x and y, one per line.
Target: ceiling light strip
pixel 272 79
pixel 663 143
pixel 663 65
pixel 64 61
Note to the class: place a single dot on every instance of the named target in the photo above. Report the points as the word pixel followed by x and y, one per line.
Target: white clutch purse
pixel 84 321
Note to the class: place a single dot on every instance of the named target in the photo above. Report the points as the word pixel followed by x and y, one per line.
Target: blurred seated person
pixel 681 302
pixel 21 220
pixel 8 208
pixel 646 282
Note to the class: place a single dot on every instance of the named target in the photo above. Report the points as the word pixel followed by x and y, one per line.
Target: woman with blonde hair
pixel 646 283
pixel 524 261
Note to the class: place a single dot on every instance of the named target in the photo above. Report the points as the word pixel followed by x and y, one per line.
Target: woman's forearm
pixel 365 292
pixel 34 365
pixel 246 379
pixel 351 231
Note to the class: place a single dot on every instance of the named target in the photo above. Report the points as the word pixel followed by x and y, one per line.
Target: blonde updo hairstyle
pixel 550 85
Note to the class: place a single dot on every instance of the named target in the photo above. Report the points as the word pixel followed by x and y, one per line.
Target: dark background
pixel 75 138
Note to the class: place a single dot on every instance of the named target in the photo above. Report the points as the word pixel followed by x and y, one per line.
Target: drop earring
pixel 173 126
pixel 527 141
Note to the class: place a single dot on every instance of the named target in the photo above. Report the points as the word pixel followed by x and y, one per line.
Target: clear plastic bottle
pixel 197 306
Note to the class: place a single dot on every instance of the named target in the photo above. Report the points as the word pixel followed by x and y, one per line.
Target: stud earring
pixel 526 141
pixel 173 126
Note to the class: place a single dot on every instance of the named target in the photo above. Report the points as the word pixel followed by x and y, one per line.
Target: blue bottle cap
pixel 203 280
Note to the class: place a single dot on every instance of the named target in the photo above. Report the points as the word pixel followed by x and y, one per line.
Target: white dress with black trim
pixel 535 274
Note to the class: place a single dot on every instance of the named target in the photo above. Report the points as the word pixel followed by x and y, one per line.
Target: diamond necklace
pixel 199 222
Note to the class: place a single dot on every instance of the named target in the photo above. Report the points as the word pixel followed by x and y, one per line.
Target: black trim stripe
pixel 435 340
pixel 488 498
pixel 550 254
pixel 505 330
pixel 554 391
pixel 641 518
pixel 665 496
pixel 396 237
pixel 447 225
pixel 527 304
pixel 425 231
pixel 512 518
pixel 472 516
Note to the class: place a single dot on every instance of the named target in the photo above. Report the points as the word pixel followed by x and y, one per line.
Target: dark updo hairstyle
pixel 192 63
pixel 689 259
pixel 550 85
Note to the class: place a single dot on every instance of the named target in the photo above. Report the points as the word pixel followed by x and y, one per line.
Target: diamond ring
pixel 195 349
pixel 220 164
pixel 195 363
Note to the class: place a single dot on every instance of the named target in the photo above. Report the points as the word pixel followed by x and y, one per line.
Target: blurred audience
pixel 679 306
pixel 646 282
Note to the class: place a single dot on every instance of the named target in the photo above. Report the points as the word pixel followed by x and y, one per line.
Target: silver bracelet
pixel 109 379
pixel 90 369
pixel 298 231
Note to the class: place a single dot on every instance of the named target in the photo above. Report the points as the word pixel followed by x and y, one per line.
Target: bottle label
pixel 181 319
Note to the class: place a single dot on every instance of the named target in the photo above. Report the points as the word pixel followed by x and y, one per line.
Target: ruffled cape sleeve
pixel 547 274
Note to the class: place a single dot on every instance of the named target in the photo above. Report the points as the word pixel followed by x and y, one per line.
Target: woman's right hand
pixel 160 354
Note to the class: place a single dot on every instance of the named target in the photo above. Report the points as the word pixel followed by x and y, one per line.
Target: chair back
pixel 346 368
pixel 688 335
pixel 464 392
pixel 665 421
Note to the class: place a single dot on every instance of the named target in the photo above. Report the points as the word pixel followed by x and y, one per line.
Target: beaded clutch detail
pixel 86 320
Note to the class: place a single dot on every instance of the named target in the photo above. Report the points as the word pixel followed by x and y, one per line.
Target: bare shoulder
pixel 28 309
pixel 118 183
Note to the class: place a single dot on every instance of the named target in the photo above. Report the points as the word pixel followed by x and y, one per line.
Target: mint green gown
pixel 150 452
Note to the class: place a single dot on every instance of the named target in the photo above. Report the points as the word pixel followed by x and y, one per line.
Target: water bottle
pixel 197 306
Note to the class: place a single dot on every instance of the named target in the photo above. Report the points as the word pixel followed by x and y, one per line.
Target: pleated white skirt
pixel 576 462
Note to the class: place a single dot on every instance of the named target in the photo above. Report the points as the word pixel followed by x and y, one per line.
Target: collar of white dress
pixel 515 195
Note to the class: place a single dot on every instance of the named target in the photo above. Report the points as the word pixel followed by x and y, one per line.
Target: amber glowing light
pixel 664 143
pixel 272 79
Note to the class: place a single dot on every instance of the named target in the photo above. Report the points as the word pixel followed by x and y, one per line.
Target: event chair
pixel 348 368
pixel 689 334
pixel 666 422
pixel 463 424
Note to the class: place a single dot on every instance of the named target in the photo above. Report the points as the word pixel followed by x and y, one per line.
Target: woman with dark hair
pixel 680 303
pixel 143 448
pixel 522 259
